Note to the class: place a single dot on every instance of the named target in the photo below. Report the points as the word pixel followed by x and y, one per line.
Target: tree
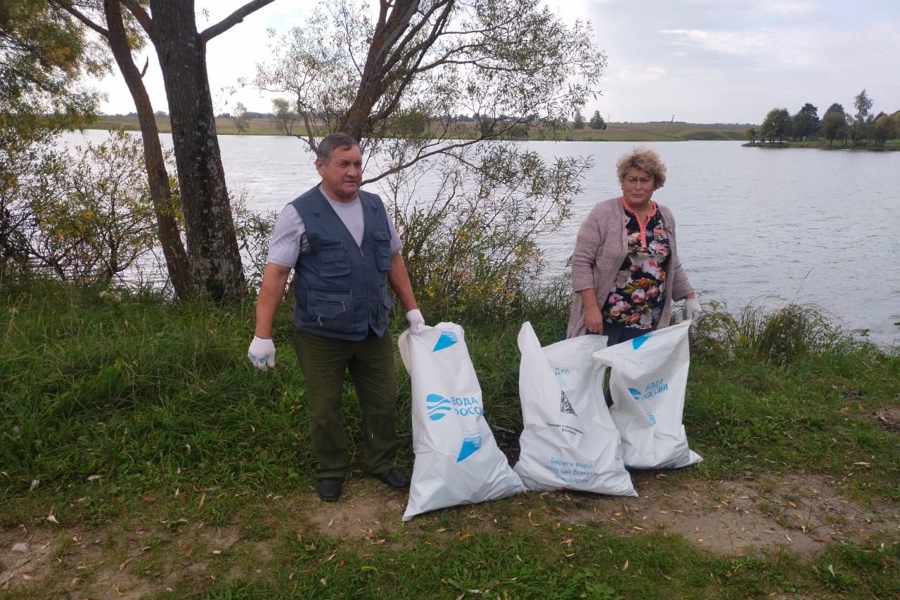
pixel 420 59
pixel 284 116
pixel 597 121
pixel 750 134
pixel 240 118
pixel 862 123
pixel 806 122
pixel 93 217
pixel 394 84
pixel 776 125
pixel 834 126
pixel 883 129
pixel 213 256
pixel 42 56
pixel 578 123
pixel 863 105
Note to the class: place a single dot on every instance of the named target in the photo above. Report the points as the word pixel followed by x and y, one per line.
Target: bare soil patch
pixel 802 513
pixel 888 418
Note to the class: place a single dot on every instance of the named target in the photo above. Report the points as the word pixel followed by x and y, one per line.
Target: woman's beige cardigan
pixel 600 249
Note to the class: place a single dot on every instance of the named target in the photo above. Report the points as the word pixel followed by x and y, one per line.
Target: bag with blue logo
pixel 648 379
pixel 457 459
pixel 569 440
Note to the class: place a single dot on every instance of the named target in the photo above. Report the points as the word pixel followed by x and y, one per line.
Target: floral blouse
pixel 636 299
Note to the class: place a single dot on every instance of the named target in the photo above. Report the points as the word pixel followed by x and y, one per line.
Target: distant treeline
pixel 860 130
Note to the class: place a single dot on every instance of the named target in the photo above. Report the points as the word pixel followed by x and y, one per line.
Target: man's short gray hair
pixel 332 141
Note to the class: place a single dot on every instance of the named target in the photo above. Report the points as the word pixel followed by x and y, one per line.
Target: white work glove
pixel 262 353
pixel 692 309
pixel 416 320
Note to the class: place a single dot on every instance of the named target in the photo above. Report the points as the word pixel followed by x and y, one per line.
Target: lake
pixel 771 226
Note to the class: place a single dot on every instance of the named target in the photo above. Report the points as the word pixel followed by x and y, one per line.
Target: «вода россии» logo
pixel 438 406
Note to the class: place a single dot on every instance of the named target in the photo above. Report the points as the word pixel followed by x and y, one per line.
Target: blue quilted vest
pixel 341 289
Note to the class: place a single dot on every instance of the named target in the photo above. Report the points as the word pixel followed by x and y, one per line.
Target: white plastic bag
pixel 648 379
pixel 457 459
pixel 569 440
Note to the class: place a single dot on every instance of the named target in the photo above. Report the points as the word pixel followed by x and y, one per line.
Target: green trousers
pixel 324 362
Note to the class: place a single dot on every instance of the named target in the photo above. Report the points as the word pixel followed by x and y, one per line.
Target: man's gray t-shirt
pixel 289 235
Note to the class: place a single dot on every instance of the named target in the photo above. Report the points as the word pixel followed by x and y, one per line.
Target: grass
pixel 141 418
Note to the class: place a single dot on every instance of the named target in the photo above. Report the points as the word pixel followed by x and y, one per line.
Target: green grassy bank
pixel 135 438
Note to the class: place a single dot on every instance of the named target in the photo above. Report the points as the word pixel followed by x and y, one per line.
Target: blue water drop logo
pixel 437 406
pixel 635 393
pixel 447 339
pixel 469 446
pixel 640 340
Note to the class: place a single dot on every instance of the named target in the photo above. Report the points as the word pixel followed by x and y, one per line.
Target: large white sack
pixel 457 459
pixel 569 440
pixel 648 379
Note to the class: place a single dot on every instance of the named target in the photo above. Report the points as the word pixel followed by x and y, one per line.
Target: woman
pixel 625 267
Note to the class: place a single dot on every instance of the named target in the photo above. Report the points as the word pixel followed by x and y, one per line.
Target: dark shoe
pixel 329 488
pixel 394 479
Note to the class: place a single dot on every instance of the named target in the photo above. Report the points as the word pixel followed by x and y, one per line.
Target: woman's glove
pixel 262 353
pixel 692 309
pixel 416 320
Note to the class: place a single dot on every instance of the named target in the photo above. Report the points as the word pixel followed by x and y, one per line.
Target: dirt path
pixel 803 513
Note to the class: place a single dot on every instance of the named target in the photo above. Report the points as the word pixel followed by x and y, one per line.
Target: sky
pixel 698 61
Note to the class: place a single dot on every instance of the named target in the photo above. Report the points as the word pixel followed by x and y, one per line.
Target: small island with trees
pixel 861 130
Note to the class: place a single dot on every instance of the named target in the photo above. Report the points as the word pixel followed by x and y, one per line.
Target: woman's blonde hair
pixel 645 160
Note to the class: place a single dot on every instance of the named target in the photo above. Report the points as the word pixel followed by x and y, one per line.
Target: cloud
pixel 720 60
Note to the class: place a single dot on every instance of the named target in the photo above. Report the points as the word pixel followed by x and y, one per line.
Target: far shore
pixel 657 131
pixel 825 145
pixel 614 132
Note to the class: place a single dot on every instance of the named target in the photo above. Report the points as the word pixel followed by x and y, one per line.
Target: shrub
pixel 781 336
pixel 473 251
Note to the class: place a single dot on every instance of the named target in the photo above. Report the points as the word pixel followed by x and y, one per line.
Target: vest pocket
pixel 332 311
pixel 333 260
pixel 382 250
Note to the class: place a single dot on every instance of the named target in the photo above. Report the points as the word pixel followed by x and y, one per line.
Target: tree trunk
pixel 157 176
pixel 393 23
pixel 212 245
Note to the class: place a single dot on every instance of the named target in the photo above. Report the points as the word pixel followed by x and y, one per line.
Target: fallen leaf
pixel 625 566
pixel 125 564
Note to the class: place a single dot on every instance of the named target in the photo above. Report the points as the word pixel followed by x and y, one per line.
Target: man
pixel 345 252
